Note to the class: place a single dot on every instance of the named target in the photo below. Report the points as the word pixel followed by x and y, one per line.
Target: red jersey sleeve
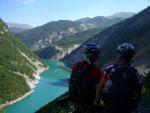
pixel 105 76
pixel 98 74
pixel 74 68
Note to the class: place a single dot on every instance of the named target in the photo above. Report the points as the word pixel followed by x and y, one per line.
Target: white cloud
pixel 26 1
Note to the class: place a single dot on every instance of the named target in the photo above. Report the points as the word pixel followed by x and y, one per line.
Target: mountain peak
pixel 122 15
pixel 85 19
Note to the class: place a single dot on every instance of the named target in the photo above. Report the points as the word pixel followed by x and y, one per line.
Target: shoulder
pixel 96 67
pixel 96 70
pixel 132 70
pixel 79 65
pixel 76 66
pixel 107 71
pixel 110 68
pixel 140 77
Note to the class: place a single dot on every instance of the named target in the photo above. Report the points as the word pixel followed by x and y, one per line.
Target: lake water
pixel 52 84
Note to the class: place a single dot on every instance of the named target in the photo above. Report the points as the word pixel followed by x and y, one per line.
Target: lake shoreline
pixel 37 78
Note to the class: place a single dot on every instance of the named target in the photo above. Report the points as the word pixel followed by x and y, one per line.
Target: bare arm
pixel 100 89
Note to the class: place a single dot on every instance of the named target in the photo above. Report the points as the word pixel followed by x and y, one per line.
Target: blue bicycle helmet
pixel 127 50
pixel 91 48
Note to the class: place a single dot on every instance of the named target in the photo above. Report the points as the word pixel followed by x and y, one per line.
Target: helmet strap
pixel 90 58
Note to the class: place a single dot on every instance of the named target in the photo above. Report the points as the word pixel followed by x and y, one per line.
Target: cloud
pixel 26 1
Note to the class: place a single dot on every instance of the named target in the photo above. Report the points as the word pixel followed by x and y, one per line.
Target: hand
pixel 97 102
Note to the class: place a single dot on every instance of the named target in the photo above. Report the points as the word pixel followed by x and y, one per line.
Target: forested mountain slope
pixel 18 66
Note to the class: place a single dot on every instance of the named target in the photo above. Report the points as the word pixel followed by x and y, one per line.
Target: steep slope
pixel 48 52
pixel 18 67
pixel 66 45
pixel 135 30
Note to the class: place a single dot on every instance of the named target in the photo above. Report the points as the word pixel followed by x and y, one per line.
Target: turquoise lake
pixel 52 84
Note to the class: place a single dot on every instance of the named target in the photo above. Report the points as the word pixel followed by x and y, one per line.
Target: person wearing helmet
pixel 84 79
pixel 126 52
pixel 91 52
pixel 123 91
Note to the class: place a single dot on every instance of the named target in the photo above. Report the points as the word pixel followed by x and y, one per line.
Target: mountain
pixel 135 30
pixel 45 35
pixel 78 38
pixel 119 15
pixel 48 52
pixel 122 15
pixel 101 21
pixel 107 21
pixel 18 67
pixel 69 43
pixel 17 27
pixel 63 36
pixel 83 19
pixel 65 45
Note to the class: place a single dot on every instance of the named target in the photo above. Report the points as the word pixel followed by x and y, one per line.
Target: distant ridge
pixel 17 27
pixel 45 35
pixel 122 15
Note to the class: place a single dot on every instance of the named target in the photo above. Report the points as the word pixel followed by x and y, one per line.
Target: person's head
pixel 126 52
pixel 91 52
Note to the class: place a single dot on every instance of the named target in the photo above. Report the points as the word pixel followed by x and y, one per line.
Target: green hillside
pixel 10 57
pixel 1 111
pixel 60 46
pixel 13 65
pixel 50 31
pixel 78 38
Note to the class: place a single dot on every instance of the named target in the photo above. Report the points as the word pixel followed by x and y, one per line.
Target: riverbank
pixel 8 103
pixel 50 86
pixel 31 84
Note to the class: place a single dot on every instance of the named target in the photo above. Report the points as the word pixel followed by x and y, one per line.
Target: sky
pixel 39 12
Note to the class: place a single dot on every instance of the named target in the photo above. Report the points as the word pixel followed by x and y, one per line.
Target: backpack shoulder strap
pixel 140 77
pixel 110 70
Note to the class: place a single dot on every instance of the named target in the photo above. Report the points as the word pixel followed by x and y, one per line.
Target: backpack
pixel 80 89
pixel 124 84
